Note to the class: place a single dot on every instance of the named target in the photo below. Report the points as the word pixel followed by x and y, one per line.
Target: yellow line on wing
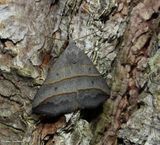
pixel 65 93
pixel 71 77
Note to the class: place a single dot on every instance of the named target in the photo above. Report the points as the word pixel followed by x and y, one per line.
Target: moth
pixel 72 83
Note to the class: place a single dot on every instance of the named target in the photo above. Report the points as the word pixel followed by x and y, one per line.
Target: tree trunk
pixel 122 39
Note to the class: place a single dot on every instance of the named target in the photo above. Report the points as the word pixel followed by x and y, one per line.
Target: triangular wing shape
pixel 73 82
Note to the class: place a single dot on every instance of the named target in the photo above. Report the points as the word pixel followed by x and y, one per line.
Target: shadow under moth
pixel 72 83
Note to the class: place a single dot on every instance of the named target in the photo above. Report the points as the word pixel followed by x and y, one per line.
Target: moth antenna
pixel 86 35
pixel 68 37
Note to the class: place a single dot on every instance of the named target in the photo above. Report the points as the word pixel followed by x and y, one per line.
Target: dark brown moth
pixel 72 83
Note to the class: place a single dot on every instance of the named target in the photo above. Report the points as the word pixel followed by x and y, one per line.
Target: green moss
pixel 27 71
pixel 103 122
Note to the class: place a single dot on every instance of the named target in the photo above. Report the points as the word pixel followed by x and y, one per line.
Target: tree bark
pixel 122 39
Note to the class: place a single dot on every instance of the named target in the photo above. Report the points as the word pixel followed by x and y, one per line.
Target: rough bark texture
pixel 121 37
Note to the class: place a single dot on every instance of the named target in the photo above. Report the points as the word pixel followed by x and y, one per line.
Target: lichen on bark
pixel 121 37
